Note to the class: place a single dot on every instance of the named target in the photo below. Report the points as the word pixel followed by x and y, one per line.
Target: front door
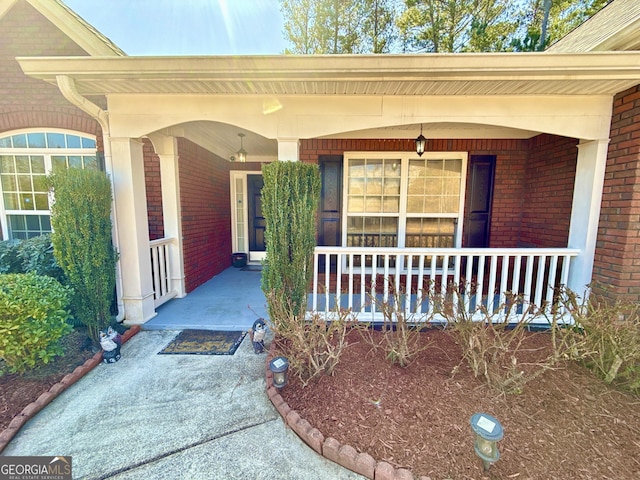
pixel 256 221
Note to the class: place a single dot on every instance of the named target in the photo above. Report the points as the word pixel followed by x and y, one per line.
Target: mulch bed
pixel 18 391
pixel 566 423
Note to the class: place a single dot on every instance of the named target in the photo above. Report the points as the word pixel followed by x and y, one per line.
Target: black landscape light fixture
pixel 421 143
pixel 279 366
pixel 488 432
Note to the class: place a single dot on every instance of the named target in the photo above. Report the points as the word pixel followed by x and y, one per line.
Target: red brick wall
pixel 548 191
pixel 153 187
pixel 206 211
pixel 509 177
pixel 617 259
pixel 26 102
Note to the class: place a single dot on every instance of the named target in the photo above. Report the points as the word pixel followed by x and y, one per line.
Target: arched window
pixel 26 157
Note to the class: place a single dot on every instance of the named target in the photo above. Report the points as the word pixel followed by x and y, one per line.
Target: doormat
pixel 252 268
pixel 204 342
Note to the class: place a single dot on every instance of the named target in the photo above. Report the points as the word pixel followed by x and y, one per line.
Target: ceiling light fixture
pixel 242 153
pixel 421 142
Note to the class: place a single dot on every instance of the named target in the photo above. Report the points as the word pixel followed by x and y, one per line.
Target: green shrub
pixel 10 262
pixel 290 199
pixel 33 318
pixel 81 221
pixel 32 255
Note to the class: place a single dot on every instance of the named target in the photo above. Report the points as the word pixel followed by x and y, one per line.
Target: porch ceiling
pixel 593 73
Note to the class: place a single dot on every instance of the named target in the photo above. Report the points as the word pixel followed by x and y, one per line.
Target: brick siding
pixel 517 169
pixel 617 259
pixel 548 191
pixel 153 187
pixel 206 211
pixel 27 102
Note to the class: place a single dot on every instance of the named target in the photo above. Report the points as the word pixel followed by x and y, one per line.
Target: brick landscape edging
pixel 43 400
pixel 344 455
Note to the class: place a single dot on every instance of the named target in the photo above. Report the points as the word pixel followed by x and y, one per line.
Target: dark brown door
pixel 256 220
pixel 479 199
pixel 330 211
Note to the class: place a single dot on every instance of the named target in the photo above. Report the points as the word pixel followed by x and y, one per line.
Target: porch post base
pixel 138 310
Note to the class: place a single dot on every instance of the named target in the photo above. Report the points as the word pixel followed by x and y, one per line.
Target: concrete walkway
pixel 173 417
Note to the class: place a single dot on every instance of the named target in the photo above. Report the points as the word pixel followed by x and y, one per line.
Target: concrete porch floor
pixel 221 303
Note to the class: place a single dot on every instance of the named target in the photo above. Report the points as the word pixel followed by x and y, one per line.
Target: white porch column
pixel 133 229
pixel 288 149
pixel 585 211
pixel 167 150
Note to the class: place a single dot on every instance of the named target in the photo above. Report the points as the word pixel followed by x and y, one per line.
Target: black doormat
pixel 252 268
pixel 204 342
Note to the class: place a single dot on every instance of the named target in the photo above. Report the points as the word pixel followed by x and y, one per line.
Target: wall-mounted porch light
pixel 279 366
pixel 488 431
pixel 421 143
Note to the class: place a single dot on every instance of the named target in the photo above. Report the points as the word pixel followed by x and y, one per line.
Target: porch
pixel 362 279
pixel 222 303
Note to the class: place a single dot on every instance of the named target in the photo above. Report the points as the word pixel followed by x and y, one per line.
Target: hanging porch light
pixel 242 153
pixel 421 143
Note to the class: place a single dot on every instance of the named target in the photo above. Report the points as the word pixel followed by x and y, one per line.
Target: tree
pixel 338 26
pixel 299 24
pixel 391 26
pixel 455 25
pixel 82 246
pixel 379 25
pixel 542 22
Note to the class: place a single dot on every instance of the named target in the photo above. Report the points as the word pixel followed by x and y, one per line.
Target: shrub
pixel 10 262
pixel 494 347
pixel 314 347
pixel 606 339
pixel 402 337
pixel 37 256
pixel 290 199
pixel 32 255
pixel 81 220
pixel 33 318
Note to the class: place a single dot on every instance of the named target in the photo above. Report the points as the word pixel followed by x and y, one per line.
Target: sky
pixel 187 27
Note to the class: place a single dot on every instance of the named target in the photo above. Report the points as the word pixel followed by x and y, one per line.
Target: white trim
pixel 47 153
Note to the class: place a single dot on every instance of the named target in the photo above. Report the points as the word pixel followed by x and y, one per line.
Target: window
pixel 25 160
pixel 402 200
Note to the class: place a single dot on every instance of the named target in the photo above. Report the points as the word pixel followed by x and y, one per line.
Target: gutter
pixel 67 87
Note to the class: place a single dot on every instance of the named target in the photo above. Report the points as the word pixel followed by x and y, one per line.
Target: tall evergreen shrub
pixel 290 199
pixel 81 221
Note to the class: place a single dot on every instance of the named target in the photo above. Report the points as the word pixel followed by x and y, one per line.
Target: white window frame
pixel 47 153
pixel 404 158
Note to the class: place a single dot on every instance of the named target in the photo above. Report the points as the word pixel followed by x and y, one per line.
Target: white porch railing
pixel 360 279
pixel 163 289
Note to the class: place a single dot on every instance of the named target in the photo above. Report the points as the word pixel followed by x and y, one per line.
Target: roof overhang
pixel 614 27
pixel 483 74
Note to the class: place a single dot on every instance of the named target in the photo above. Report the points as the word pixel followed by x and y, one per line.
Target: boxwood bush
pixel 33 318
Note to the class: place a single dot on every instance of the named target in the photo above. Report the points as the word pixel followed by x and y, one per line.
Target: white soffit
pixel 594 73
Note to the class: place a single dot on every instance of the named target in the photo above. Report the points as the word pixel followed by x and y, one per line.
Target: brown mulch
pixel 18 391
pixel 566 424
